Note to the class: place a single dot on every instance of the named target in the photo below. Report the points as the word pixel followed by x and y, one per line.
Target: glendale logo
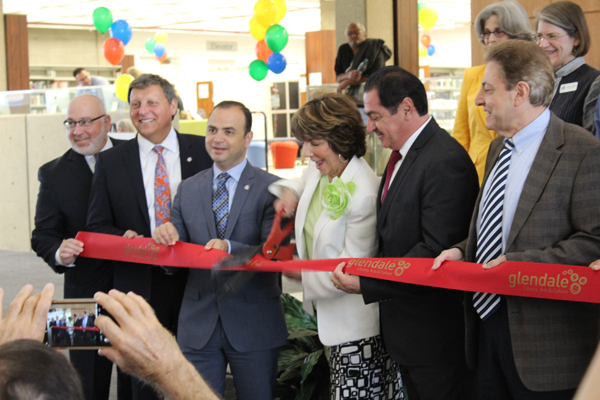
pixel 556 284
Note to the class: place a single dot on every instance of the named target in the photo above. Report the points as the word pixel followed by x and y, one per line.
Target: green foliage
pixel 303 366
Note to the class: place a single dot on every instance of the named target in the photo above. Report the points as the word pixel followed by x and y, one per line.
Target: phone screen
pixel 70 324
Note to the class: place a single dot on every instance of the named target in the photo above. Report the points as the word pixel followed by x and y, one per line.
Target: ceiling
pixel 226 16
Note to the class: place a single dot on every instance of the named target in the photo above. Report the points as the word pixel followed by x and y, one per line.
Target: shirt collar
pixel 408 144
pixel 570 66
pixel 170 143
pixel 235 172
pixel 528 135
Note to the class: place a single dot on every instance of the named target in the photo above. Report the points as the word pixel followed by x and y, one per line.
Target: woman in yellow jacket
pixel 497 22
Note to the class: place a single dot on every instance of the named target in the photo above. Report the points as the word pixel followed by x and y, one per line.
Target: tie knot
pixel 158 149
pixel 395 157
pixel 509 144
pixel 222 177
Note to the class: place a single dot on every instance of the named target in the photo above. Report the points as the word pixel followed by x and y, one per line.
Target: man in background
pixel 84 78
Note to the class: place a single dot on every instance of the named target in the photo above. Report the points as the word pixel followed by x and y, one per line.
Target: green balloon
pixel 420 5
pixel 102 19
pixel 150 42
pixel 276 38
pixel 258 70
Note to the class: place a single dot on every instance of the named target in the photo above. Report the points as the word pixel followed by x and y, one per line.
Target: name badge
pixel 568 87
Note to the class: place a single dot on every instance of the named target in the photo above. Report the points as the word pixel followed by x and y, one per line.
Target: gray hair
pixel 569 17
pixel 360 26
pixel 512 19
pixel 522 61
pixel 145 80
pixel 126 124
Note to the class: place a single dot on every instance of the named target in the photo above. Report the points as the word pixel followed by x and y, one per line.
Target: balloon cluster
pixel 271 36
pixel 120 34
pixel 156 45
pixel 427 18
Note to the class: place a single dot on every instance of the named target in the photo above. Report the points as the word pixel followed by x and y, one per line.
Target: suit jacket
pixel 252 317
pixel 557 220
pixel 427 207
pixel 469 124
pixel 118 201
pixel 61 212
pixel 351 235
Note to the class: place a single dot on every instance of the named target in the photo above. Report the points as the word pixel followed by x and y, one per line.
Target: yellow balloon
pixel 264 12
pixel 422 52
pixel 281 8
pixel 257 31
pixel 161 37
pixel 428 18
pixel 122 84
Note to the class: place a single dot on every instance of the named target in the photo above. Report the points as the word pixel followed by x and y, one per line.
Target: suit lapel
pixel 133 169
pixel 241 194
pixel 80 168
pixel 543 165
pixel 311 186
pixel 186 157
pixel 205 195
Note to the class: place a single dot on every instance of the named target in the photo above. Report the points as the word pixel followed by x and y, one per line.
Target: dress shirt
pixel 234 177
pixel 91 161
pixel 148 159
pixel 406 147
pixel 527 143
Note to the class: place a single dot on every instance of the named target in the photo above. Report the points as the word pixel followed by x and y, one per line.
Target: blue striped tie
pixel 489 240
pixel 220 204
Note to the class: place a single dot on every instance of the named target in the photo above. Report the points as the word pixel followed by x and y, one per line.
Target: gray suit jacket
pixel 252 317
pixel 557 221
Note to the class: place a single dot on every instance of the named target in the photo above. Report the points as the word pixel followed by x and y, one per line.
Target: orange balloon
pixel 113 50
pixel 425 40
pixel 262 51
pixel 163 58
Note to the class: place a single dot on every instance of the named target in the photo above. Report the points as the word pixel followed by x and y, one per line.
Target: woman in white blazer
pixel 335 206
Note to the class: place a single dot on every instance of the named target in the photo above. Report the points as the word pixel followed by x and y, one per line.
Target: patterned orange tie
pixel 162 194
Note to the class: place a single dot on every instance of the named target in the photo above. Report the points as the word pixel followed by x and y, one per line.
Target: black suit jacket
pixel 427 208
pixel 118 201
pixel 61 212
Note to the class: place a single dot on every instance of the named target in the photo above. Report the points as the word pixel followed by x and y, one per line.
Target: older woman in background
pixel 562 32
pixel 496 23
pixel 333 133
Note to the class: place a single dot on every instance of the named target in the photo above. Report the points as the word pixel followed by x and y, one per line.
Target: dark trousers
pixel 435 382
pixel 497 374
pixel 95 372
pixel 254 372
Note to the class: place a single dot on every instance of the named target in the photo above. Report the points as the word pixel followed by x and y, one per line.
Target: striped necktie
pixel 162 193
pixel 489 240
pixel 220 204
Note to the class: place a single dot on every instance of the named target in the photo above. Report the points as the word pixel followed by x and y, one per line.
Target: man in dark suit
pixel 124 202
pixel 246 328
pixel 549 171
pixel 426 197
pixel 61 212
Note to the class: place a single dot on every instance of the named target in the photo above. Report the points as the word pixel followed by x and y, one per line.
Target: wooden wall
pixel 406 33
pixel 591 9
pixel 17 52
pixel 320 54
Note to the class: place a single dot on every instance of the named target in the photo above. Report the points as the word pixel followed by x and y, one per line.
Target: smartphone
pixel 70 325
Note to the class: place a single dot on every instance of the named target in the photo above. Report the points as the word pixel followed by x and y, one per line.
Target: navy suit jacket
pixel 253 317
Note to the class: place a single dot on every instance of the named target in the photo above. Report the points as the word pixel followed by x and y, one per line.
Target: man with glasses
pixel 61 212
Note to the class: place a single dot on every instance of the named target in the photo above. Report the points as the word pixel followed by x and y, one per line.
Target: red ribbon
pixel 513 278
pixel 76 328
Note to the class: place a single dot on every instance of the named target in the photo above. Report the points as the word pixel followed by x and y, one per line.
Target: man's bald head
pixel 90 138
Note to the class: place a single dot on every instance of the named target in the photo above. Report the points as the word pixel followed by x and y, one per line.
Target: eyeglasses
pixel 84 123
pixel 551 37
pixel 498 33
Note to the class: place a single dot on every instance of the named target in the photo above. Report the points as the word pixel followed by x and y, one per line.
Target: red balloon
pixel 262 51
pixel 425 40
pixel 113 50
pixel 163 58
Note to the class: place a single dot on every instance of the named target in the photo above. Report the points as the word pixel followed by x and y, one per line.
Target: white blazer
pixel 342 317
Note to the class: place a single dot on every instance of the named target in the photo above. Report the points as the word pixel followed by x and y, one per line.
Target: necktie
pixel 489 240
pixel 162 193
pixel 394 158
pixel 221 204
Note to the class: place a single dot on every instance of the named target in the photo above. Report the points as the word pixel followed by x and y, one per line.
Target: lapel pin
pixel 189 159
pixel 246 187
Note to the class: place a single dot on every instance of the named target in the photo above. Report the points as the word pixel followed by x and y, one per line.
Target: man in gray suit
pixel 537 204
pixel 228 207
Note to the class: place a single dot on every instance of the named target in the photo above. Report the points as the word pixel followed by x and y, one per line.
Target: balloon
pixel 159 50
pixel 113 50
pixel 262 51
pixel 150 42
pixel 425 40
pixel 422 52
pixel 276 38
pixel 163 58
pixel 281 9
pixel 264 12
pixel 430 50
pixel 258 70
pixel 102 19
pixel 122 84
pixel 256 29
pixel 428 18
pixel 420 5
pixel 121 30
pixel 276 63
pixel 161 37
